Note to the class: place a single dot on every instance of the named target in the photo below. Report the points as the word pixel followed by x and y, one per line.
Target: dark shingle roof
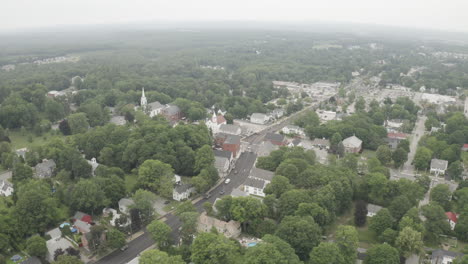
pixel 441 253
pixel 232 139
pixel 222 153
pixel 274 137
pixel 183 187
pixel 261 174
pixel 255 183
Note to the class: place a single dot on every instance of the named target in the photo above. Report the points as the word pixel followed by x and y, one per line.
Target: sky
pixel 447 15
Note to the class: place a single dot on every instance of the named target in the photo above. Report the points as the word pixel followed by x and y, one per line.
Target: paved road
pixel 243 166
pixel 418 132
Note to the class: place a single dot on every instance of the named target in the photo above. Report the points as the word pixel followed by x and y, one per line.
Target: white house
pixel 257 181
pixel 259 118
pixel 441 256
pixel 152 109
pixel 326 116
pixel 55 242
pixel 182 191
pixel 373 209
pixel 438 167
pixel 452 218
pixel 215 122
pixel 230 129
pixel 352 144
pixel 6 188
pixel 94 164
pixel 124 205
pixel 290 129
pixel 222 164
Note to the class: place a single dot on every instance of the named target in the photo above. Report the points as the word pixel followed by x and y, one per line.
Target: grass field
pixel 30 140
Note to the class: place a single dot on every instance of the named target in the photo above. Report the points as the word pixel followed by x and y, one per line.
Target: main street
pixel 243 166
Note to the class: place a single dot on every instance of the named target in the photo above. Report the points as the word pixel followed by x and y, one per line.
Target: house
pixel 326 116
pixel 321 143
pixel 259 118
pixel 452 218
pixel 82 226
pixel 215 122
pixel 438 167
pixel 229 229
pixel 361 255
pixel 118 120
pixel 465 147
pixel 393 139
pixel 266 148
pixel 239 193
pixel 441 256
pixel 394 124
pixel 153 109
pixel 21 152
pixel 257 181
pixel 276 139
pixel 125 204
pixel 290 129
pixel 182 191
pixel 31 260
pixel 224 154
pixel 222 164
pixel 45 169
pixel 352 144
pixel 6 188
pixel 94 165
pixel 373 209
pixel 172 112
pixel 106 212
pixel 277 113
pixel 55 242
pixel 295 143
pixel 230 129
pixel 82 217
pixel 229 143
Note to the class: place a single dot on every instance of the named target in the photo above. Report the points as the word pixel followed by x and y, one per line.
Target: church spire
pixel 143 101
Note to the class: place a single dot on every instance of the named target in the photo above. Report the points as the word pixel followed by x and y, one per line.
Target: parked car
pixel 124 248
pixel 207 195
pixel 221 192
pixel 227 181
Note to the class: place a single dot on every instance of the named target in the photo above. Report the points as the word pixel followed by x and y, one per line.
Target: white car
pixel 227 181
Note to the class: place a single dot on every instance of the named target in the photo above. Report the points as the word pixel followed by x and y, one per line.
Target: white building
pixel 326 116
pixel 230 129
pixel 257 181
pixel 438 167
pixel 352 144
pixel 182 191
pixel 373 209
pixel 215 122
pixel 441 256
pixel 290 129
pixel 259 118
pixel 437 98
pixel 125 204
pixel 6 188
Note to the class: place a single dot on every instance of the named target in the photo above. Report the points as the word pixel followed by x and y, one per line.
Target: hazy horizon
pixel 24 15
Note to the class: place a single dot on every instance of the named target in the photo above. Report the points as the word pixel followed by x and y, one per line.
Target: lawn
pixel 30 140
pixel 368 153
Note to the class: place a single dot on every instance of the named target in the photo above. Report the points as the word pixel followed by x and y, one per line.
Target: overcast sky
pixel 435 14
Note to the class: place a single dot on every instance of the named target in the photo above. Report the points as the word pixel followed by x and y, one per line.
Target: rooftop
pixel 230 129
pixel 261 174
pixel 452 216
pixel 352 142
pixel 126 202
pixel 439 164
pixel 397 135
pixel 183 187
pixel 220 162
pixel 258 116
pixel 232 139
pixel 441 253
pixel 274 137
pixel 256 183
pixel 372 208
pixel 222 153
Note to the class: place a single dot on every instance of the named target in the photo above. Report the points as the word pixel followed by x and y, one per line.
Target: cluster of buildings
pixel 318 91
pixel 169 111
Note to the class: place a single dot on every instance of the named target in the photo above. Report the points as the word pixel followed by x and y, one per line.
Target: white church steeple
pixel 143 101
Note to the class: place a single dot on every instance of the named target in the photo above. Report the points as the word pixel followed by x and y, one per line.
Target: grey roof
pixel 82 226
pixel 274 137
pixel 54 233
pixel 45 168
pixel 258 116
pixel 126 202
pixel 266 148
pixel 21 152
pixel 220 162
pixel 232 139
pixel 230 129
pixel 79 215
pixel 238 193
pixel 155 105
pixel 172 109
pixel 261 174
pixel 5 185
pixel 293 127
pixel 256 183
pixel 296 141
pixel 441 253
pixel 32 260
pixel 183 187
pixel 439 164
pixel 321 142
pixel 118 120
pixel 222 153
pixel 372 208
pixel 352 142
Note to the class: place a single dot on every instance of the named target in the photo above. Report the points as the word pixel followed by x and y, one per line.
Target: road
pixel 243 166
pixel 418 132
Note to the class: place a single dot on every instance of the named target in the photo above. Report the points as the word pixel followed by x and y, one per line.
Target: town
pixel 234 152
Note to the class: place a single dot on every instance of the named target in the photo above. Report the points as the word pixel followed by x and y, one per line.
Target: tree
pixel 384 154
pixel 282 246
pixel 36 246
pixel 422 158
pixel 211 248
pixel 302 233
pixel 335 141
pixel 185 207
pixel 160 233
pixel 382 254
pixel 204 158
pixel 381 221
pixel 399 157
pixel 65 259
pixel 87 196
pixel 78 123
pixel 156 256
pixel 461 229
pixel 144 201
pixel 326 253
pixel 21 172
pixel 64 127
pixel 388 236
pixel 360 213
pixel 115 238
pixel 360 104
pixel 156 176
pixel 405 145
pixel 442 195
pixel 409 241
pixel 54 110
pixel 278 186
pixel 436 222
pixel 346 237
pixel 35 208
pixel 321 216
pixel 455 170
pixel 264 253
pixel 189 226
pixel 399 206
